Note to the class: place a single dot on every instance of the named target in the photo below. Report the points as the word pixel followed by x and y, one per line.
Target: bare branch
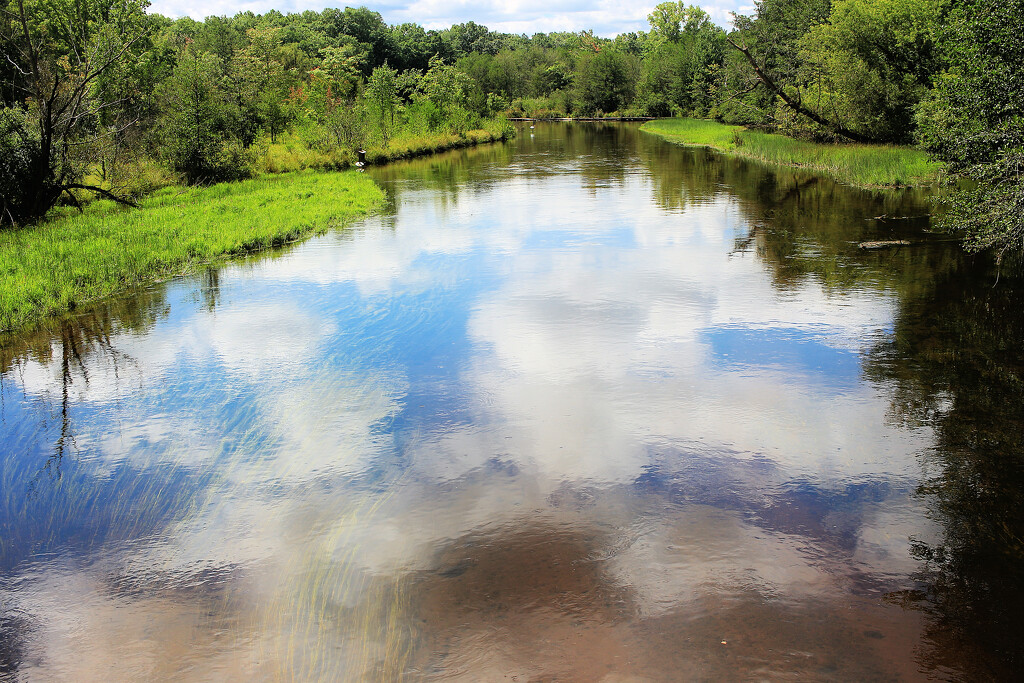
pixel 16 67
pixel 99 190
pixel 79 90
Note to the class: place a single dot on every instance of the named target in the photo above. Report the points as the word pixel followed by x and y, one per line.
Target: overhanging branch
pixel 797 104
pixel 100 191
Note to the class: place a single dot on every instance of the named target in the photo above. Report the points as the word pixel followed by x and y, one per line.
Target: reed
pixel 293 154
pixel 873 166
pixel 410 144
pixel 77 257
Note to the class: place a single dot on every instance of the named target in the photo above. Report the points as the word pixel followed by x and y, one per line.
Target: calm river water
pixel 586 406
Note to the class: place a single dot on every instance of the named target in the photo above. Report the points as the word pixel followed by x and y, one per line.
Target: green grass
pixel 292 154
pixel 855 164
pixel 409 145
pixel 75 258
pixel 539 107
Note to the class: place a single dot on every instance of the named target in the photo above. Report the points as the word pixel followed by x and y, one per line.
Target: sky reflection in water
pixel 558 413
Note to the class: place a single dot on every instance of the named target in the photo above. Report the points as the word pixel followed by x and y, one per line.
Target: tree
pixel 871 63
pixel 770 46
pixel 196 135
pixel 472 37
pixel 974 121
pixel 261 83
pixel 446 88
pixel 605 81
pixel 682 60
pixel 670 20
pixel 382 99
pixel 219 36
pixel 664 79
pixel 854 69
pixel 51 132
pixel 324 103
pixel 412 46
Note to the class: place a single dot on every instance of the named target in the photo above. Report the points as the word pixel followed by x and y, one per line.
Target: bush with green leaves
pixel 974 121
pixel 19 157
pixel 196 128
pixel 605 82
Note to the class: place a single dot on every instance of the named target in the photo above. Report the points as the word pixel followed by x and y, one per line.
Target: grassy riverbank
pixel 860 165
pixel 294 154
pixel 72 259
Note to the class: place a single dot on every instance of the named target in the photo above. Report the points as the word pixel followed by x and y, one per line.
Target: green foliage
pixel 671 20
pixel 974 113
pixel 991 215
pixel 60 109
pixel 605 82
pixel 774 67
pixel 555 106
pixel 258 83
pixel 382 99
pixel 496 104
pixel 870 64
pixel 861 165
pixel 446 88
pixel 974 121
pixel 20 153
pixel 196 127
pixel 682 63
pixel 71 260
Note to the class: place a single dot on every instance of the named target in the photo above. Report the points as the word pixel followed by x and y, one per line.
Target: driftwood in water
pixel 884 244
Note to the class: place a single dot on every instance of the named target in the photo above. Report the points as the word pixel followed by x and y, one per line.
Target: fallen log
pixel 884 244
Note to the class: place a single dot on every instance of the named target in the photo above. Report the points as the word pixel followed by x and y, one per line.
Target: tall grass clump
pixel 855 164
pixel 292 153
pixel 554 106
pixel 57 265
pixel 413 143
pixel 695 132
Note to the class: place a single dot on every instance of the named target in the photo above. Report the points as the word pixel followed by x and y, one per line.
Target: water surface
pixel 586 406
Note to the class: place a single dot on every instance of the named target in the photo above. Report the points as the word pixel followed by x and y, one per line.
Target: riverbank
pixel 628 119
pixel 78 257
pixel 73 258
pixel 293 154
pixel 871 166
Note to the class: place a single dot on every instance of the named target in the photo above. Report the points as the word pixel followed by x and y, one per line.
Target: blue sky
pixel 605 17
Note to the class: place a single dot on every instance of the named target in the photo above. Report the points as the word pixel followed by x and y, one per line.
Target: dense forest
pixel 101 97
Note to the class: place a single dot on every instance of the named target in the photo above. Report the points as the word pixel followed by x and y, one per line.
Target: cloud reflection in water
pixel 543 426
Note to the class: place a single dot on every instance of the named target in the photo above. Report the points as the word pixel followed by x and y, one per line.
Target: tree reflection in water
pixel 951 363
pixel 70 345
pixel 954 362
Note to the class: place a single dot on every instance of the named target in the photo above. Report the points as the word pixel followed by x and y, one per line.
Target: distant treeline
pixel 91 88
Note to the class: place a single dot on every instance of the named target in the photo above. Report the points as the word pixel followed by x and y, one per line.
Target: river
pixel 585 406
